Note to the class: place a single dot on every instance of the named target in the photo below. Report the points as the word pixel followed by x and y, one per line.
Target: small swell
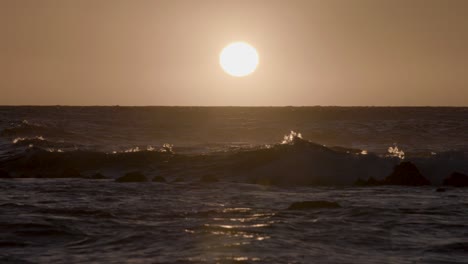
pixel 41 142
pixel 38 230
pixel 456 247
pixel 13 206
pixel 37 159
pixel 8 244
pixel 25 128
pixel 77 212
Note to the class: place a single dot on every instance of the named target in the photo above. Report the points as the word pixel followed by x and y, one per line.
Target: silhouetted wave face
pixel 333 146
pixel 224 179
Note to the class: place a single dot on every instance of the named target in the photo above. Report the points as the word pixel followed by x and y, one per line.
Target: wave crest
pixel 294 161
pixel 291 137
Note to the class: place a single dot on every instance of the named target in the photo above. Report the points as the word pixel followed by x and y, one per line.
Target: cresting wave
pixel 294 161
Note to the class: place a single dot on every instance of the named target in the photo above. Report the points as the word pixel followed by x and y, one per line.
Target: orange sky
pixel 137 52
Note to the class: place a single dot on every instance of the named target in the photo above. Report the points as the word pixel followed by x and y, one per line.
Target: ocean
pixel 224 180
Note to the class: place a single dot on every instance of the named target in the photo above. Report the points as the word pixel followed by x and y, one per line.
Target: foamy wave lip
pixel 21 139
pixel 293 136
pixel 43 143
pixel 54 150
pixel 396 152
pixel 166 148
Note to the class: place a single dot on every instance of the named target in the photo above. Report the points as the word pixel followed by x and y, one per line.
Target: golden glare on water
pixel 239 59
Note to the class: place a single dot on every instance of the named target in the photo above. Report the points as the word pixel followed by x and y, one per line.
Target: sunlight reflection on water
pixel 151 223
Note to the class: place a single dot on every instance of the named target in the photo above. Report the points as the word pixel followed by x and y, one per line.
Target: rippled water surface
pixel 52 212
pixel 83 221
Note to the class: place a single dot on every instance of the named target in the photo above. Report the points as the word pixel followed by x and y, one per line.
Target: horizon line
pixel 239 106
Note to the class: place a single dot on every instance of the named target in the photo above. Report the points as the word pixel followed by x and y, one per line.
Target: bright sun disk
pixel 239 59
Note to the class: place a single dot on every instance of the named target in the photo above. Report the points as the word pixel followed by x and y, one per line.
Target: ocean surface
pixel 230 175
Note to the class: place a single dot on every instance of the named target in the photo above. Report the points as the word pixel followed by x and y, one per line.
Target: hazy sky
pixel 137 52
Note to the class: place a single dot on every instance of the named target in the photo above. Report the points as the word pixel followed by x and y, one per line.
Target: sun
pixel 238 59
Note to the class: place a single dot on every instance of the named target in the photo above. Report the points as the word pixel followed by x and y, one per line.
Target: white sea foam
pixel 131 150
pixel 396 152
pixel 20 139
pixel 167 148
pixel 54 150
pixel 288 139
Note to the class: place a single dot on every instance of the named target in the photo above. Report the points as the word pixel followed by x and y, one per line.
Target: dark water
pixel 76 220
pixel 82 221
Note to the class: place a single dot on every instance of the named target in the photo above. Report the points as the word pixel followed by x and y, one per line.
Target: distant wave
pixel 25 128
pixel 43 143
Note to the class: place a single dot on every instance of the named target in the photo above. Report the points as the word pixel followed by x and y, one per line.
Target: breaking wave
pixel 295 161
